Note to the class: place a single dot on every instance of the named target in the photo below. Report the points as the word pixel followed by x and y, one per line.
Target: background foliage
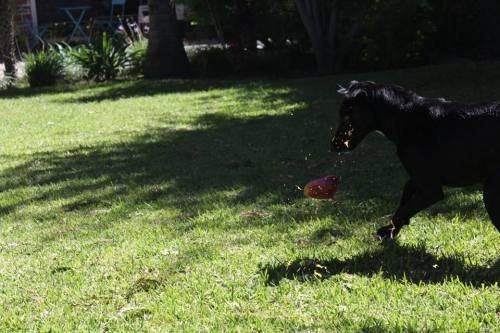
pixel 372 34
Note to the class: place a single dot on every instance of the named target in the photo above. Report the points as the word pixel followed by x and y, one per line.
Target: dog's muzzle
pixel 342 140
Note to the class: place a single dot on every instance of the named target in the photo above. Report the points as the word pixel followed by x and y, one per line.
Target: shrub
pixel 392 34
pixel 43 68
pixel 136 53
pixel 267 62
pixel 130 33
pixel 210 62
pixel 72 70
pixel 101 60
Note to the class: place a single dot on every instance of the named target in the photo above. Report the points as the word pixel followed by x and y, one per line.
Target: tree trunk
pixel 321 27
pixel 165 56
pixel 7 45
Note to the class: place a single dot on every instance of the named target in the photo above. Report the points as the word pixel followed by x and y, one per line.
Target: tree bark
pixel 165 56
pixel 321 27
pixel 7 44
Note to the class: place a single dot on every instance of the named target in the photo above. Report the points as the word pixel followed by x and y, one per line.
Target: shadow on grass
pixel 20 92
pixel 257 157
pixel 120 89
pixel 145 88
pixel 393 261
pixel 262 160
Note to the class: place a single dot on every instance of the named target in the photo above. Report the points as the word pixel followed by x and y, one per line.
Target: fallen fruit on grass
pixel 322 188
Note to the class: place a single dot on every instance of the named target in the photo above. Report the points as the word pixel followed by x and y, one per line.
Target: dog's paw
pixel 387 232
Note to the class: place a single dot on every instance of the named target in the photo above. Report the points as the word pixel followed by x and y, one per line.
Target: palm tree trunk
pixel 165 56
pixel 7 45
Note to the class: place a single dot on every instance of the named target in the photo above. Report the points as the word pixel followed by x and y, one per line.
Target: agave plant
pixel 43 68
pixel 101 59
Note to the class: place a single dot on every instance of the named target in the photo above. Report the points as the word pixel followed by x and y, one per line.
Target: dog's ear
pixel 341 90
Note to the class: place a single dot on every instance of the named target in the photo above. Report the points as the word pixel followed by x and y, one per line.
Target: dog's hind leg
pixel 491 197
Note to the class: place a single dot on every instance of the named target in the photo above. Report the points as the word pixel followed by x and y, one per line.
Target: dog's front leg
pixel 390 230
pixel 419 200
pixel 421 191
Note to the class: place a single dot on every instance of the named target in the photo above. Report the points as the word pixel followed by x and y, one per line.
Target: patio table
pixel 79 13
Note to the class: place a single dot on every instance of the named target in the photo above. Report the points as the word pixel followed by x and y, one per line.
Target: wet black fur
pixel 439 142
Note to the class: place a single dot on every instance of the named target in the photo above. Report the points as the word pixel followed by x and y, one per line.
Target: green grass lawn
pixel 173 206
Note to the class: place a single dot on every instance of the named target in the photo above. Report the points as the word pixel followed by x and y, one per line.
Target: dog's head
pixel 356 116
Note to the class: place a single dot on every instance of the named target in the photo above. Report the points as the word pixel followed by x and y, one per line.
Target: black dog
pixel 440 143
